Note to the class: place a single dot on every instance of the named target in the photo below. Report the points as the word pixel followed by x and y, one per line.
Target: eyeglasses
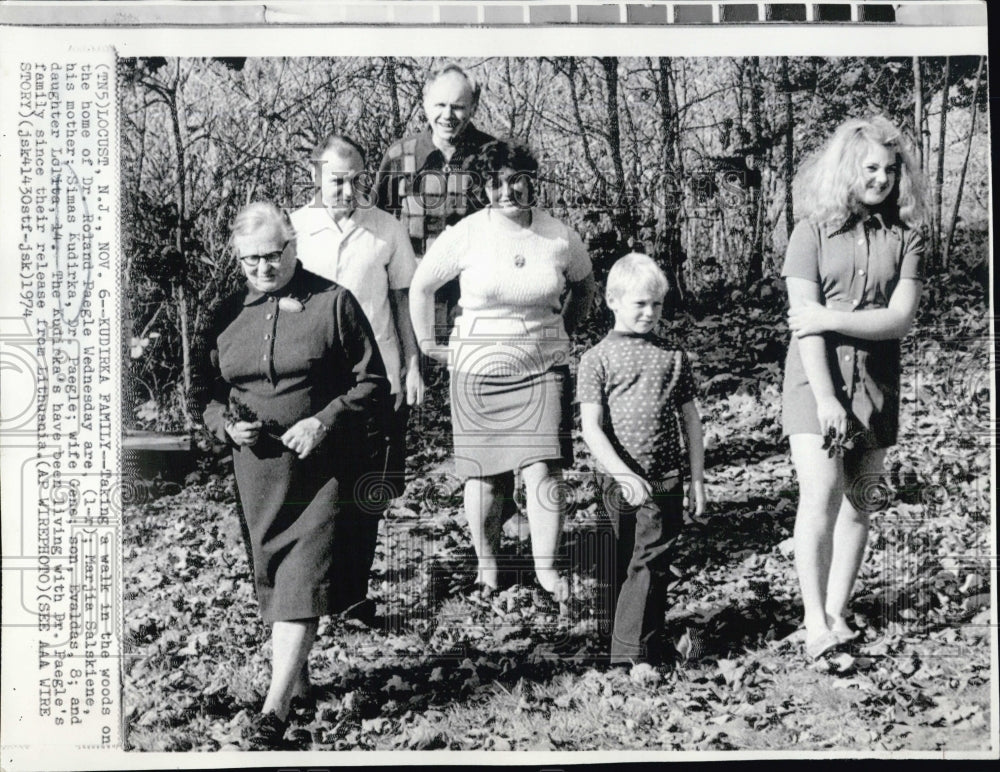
pixel 272 258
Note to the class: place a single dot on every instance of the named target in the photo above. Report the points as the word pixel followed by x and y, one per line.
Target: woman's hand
pixel 832 415
pixel 304 436
pixel 244 432
pixel 809 318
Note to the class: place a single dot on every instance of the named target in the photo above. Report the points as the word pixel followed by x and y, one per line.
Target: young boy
pixel 631 387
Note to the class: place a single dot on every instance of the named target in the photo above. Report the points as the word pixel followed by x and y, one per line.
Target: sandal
pixel 846 636
pixel 825 644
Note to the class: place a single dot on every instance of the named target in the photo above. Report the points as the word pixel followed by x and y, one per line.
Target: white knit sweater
pixel 511 279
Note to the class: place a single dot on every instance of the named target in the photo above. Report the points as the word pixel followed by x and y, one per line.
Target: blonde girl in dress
pixel 853 270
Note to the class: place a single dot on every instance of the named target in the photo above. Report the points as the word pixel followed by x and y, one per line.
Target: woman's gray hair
pixel 447 67
pixel 259 216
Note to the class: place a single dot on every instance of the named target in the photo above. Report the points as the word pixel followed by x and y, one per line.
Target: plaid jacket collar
pixel 468 143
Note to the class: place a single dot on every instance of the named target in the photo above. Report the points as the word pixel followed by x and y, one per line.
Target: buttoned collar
pixel 318 219
pixel 295 288
pixel 875 220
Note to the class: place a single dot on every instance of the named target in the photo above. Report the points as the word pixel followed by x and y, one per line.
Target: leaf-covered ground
pixel 444 671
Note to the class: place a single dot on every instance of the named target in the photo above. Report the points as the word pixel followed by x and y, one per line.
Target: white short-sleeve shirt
pixel 370 254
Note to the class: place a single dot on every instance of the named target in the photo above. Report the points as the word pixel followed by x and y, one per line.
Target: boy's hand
pixel 635 489
pixel 695 503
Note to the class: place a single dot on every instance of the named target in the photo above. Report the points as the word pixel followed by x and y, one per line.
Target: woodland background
pixel 687 157
pixel 689 160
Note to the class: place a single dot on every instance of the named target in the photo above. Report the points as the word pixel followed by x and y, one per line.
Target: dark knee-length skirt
pixel 311 538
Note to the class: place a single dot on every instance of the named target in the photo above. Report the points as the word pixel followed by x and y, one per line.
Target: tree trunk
pixel 755 265
pixel 622 214
pixel 180 193
pixel 578 116
pixel 789 146
pixel 669 249
pixel 918 113
pixel 936 232
pixel 390 76
pixel 965 165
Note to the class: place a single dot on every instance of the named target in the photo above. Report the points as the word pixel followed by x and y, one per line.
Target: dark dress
pixel 306 350
pixel 857 267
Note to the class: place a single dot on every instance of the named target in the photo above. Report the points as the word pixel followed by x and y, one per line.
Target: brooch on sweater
pixel 519 261
pixel 290 304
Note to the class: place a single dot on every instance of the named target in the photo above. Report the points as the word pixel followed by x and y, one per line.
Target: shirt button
pixel 270 300
pixel 268 336
pixel 861 273
pixel 855 302
pixel 847 357
pixel 269 317
pixel 861 242
pixel 264 357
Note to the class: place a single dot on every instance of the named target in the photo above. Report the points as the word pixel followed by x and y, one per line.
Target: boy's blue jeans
pixel 637 568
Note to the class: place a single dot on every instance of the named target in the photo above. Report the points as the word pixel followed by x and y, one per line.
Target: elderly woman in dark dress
pixel 289 373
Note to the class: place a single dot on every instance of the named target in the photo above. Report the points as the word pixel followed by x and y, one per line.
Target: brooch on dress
pixel 290 304
pixel 519 261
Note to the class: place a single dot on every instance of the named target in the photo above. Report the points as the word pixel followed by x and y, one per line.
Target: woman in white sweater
pixel 508 354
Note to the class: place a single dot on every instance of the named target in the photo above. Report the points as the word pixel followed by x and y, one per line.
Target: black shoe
pixel 266 732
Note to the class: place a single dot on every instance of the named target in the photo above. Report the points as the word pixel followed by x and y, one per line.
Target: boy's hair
pixel 824 188
pixel 635 271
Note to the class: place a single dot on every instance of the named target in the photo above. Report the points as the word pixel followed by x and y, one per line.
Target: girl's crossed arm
pixel 811 318
pixel 812 350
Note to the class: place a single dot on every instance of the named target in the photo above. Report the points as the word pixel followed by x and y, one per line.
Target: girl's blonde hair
pixel 824 188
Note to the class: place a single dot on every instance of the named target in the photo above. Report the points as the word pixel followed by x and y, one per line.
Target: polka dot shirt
pixel 641 381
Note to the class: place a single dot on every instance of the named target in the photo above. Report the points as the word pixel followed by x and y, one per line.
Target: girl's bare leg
pixel 821 489
pixel 850 536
